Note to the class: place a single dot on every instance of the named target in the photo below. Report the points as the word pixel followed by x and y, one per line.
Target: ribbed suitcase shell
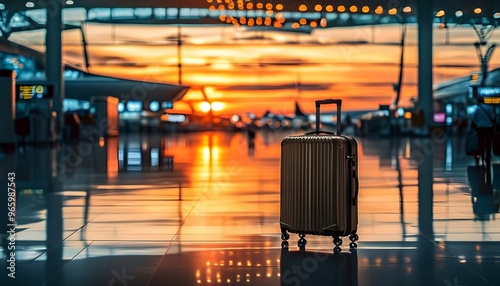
pixel 319 185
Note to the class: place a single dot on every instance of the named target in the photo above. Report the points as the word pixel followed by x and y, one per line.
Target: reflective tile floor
pixel 203 209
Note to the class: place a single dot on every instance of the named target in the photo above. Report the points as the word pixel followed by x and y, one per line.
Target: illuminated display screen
pixel 439 117
pixel 34 91
pixel 154 106
pixel 134 106
pixel 167 105
pixel 121 107
pixel 488 94
pixel 175 118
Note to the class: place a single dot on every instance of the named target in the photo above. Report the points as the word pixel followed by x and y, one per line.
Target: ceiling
pixel 288 4
pixel 488 7
pixel 296 16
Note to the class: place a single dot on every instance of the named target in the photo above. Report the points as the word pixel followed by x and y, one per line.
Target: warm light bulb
pixel 323 22
pixel 205 107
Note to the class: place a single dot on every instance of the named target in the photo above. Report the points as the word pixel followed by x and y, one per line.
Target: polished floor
pixel 203 209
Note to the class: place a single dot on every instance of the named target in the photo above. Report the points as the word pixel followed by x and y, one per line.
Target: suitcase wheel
pixel 337 249
pixel 337 240
pixel 284 244
pixel 302 241
pixel 354 237
pixel 285 236
pixel 353 245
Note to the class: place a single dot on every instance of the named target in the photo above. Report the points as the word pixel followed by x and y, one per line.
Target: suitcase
pixel 319 184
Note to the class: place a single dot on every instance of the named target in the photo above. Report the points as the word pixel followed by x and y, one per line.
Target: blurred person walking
pixel 483 121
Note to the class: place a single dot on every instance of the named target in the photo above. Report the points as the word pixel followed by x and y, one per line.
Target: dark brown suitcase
pixel 319 184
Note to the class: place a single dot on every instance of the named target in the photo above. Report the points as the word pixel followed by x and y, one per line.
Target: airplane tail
pixel 298 111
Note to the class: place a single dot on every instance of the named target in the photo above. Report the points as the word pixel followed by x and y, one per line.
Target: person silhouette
pixel 483 119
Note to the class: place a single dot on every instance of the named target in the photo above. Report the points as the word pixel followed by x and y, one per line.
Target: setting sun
pixel 205 106
pixel 217 106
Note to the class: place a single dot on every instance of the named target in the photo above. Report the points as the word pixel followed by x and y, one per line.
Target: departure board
pixel 487 94
pixel 490 95
pixel 33 91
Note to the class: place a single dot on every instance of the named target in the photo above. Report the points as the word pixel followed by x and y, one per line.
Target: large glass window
pixel 25 68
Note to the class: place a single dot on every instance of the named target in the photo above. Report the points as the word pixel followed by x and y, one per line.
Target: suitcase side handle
pixel 356 189
pixel 338 102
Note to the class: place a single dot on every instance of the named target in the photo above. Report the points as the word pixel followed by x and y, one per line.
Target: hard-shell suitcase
pixel 319 184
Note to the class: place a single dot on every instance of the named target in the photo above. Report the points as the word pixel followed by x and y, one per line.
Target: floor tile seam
pixel 94 217
pixel 451 254
pixel 126 240
pixel 65 263
pixel 184 220
pixel 159 263
pixel 81 228
pixel 468 266
pixel 47 250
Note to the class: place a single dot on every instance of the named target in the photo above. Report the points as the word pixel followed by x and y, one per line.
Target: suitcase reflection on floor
pixel 317 268
pixel 485 193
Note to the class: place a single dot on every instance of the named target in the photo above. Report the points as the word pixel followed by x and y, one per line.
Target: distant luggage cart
pixel 319 184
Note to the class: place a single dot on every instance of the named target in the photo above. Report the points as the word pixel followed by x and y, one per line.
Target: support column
pixel 54 69
pixel 7 108
pixel 425 15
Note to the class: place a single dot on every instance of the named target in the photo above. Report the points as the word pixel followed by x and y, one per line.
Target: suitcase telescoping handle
pixel 338 102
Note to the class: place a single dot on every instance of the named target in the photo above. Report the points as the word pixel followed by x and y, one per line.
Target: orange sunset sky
pixel 227 60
